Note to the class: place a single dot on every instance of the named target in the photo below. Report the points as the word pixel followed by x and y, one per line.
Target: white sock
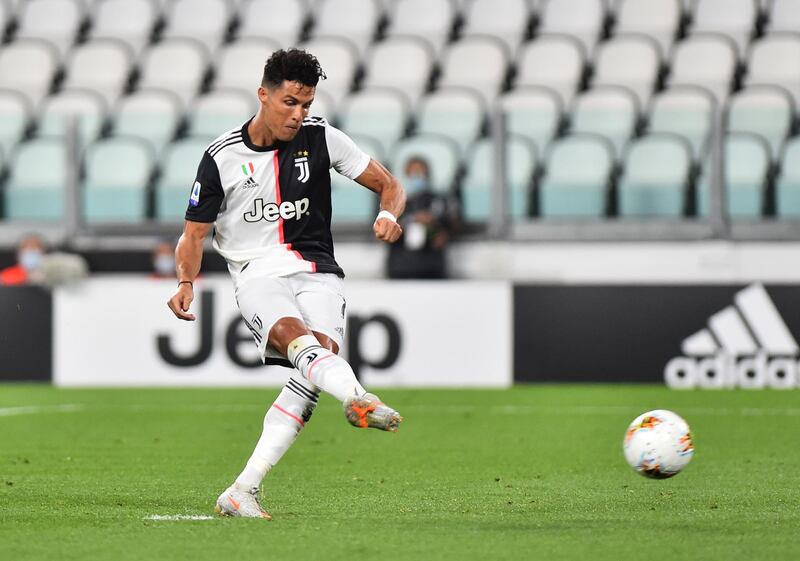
pixel 323 368
pixel 282 423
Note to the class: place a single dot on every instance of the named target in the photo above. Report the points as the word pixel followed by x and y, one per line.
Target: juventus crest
pixel 301 163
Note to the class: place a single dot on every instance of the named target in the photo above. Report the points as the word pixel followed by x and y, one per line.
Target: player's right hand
pixel 180 302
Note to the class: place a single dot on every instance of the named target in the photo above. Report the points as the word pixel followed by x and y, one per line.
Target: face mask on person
pixel 416 183
pixel 30 259
pixel 164 265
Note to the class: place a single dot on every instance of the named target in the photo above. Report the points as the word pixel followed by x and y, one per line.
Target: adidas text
pixel 271 212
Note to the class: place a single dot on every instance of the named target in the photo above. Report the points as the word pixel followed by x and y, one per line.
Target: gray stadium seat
pixel 787 191
pixel 176 65
pixel 353 203
pixel 178 168
pixel 570 190
pixel 686 111
pixel 28 66
pixel 355 20
pixel 323 106
pixel 707 60
pixel 655 176
pixel 86 107
pixel 117 171
pixel 457 113
pixel 784 15
pixel 767 111
pixel 339 59
pixel 480 63
pixel 435 27
pixel 57 21
pixel 213 113
pixel 533 113
pixel 240 64
pixel 15 117
pixel 582 19
pixel 35 187
pixel 102 65
pixel 611 112
pixel 659 19
pixel 733 18
pixel 152 115
pixel 508 24
pixel 404 63
pixel 747 163
pixel 772 60
pixel 278 20
pixel 130 21
pixel 632 61
pixel 441 153
pixel 553 61
pixel 380 113
pixel 476 189
pixel 206 21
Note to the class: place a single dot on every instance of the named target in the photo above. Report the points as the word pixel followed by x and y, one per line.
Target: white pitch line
pixel 36 409
pixel 179 517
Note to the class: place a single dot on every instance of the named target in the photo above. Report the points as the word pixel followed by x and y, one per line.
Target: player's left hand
pixel 387 230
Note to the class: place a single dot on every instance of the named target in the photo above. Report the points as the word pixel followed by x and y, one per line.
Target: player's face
pixel 286 107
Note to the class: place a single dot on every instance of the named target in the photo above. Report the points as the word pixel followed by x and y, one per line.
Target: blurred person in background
pixel 428 224
pixel 36 266
pixel 163 260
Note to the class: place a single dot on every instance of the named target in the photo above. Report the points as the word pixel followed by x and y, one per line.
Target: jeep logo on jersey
pixel 263 210
pixel 301 162
pixel 747 345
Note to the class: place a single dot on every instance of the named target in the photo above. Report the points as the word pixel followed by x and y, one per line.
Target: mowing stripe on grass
pixel 179 517
pixel 36 409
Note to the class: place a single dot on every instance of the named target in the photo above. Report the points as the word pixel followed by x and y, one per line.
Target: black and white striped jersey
pixel 271 205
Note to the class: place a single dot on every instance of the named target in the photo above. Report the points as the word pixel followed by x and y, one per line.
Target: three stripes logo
pixel 248 170
pixel 747 345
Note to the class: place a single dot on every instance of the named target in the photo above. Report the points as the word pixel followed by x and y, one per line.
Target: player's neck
pixel 259 132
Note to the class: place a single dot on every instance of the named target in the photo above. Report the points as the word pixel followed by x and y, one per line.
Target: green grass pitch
pixel 535 472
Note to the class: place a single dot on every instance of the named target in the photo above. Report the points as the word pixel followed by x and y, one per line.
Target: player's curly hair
pixel 294 65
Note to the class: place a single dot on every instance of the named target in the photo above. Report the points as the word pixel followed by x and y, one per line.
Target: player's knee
pixel 286 330
pixel 327 342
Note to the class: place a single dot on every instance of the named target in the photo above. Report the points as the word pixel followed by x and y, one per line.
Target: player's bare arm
pixel 393 199
pixel 188 256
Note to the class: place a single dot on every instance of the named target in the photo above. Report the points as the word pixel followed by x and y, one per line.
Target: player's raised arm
pixel 393 200
pixel 188 256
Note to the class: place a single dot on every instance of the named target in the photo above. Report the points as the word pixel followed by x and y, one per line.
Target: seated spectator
pixel 164 260
pixel 28 269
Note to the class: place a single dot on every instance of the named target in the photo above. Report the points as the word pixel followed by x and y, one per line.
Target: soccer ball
pixel 658 444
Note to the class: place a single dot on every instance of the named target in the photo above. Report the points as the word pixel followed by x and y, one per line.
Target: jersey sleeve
pixel 346 158
pixel 207 193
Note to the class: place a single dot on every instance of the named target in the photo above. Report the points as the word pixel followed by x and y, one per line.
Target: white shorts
pixel 315 298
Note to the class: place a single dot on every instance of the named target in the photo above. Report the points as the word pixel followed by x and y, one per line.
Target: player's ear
pixel 263 93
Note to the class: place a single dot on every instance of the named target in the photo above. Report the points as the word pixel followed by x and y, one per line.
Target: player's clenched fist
pixel 387 230
pixel 181 300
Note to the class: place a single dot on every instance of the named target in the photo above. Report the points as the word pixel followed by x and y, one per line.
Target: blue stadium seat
pixel 787 192
pixel 36 185
pixel 533 113
pixel 178 168
pixel 609 111
pixel 353 203
pixel 686 111
pixel 381 113
pixel 441 153
pixel 767 111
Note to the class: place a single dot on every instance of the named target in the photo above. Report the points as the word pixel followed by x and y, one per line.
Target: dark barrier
pixel 630 333
pixel 26 333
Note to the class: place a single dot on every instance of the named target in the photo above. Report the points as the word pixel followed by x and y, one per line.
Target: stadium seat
pixel 569 190
pixel 772 60
pixel 178 168
pixel 323 106
pixel 353 203
pixel 655 177
pixel 632 61
pixel 6 14
pixel 787 190
pixel 533 113
pixel 404 63
pixel 280 21
pixel 767 111
pixel 685 111
pixel 130 21
pixel 354 20
pixel 28 66
pixel 476 189
pixel 240 64
pixel 556 62
pixel 441 153
pixel 36 184
pixel 57 21
pixel 15 117
pixel 733 18
pixel 339 60
pixel 380 113
pixel 480 63
pixel 88 108
pixel 747 164
pixel 152 115
pixel 658 19
pixel 435 27
pixel 117 172
pixel 213 113
pixel 509 24
pixel 706 60
pixel 206 21
pixel 611 112
pixel 102 65
pixel 457 113
pixel 176 65
pixel 582 19
pixel 784 15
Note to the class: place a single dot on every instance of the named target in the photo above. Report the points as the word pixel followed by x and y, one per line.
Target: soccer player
pixel 265 189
